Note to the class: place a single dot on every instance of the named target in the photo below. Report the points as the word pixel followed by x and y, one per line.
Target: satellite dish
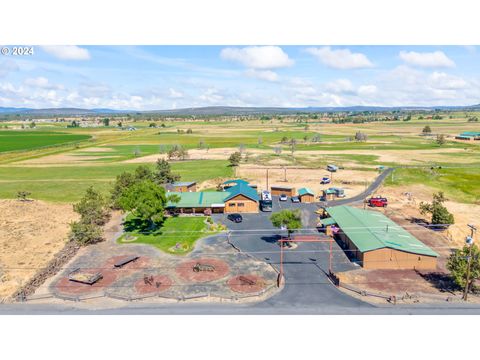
pixel 469 240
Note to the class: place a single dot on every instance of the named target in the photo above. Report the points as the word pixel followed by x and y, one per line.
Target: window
pixel 241 204
pixel 231 204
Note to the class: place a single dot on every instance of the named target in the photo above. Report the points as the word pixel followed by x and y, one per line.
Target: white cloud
pixel 340 86
pixel 7 67
pixel 258 57
pixel 41 82
pixel 367 90
pixel 211 96
pixel 426 59
pixel 443 81
pixel 67 52
pixel 340 59
pixel 174 94
pixel 267 75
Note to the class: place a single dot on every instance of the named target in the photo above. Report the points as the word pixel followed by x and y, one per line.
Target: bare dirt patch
pixel 352 181
pixel 217 269
pixel 31 233
pixel 153 284
pixel 247 283
pixel 406 199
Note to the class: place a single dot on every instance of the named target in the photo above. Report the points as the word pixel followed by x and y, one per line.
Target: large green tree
pixel 122 183
pixel 458 262
pixel 235 158
pixel 163 173
pixel 291 220
pixel 93 212
pixel 146 201
pixel 92 207
pixel 440 214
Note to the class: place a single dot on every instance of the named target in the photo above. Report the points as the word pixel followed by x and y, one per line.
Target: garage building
pixel 306 195
pixel 279 190
pixel 375 241
pixel 182 186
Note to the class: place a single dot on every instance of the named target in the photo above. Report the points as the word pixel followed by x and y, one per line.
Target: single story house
pixel 306 195
pixel 279 190
pixel 182 186
pixel 375 241
pixel 240 198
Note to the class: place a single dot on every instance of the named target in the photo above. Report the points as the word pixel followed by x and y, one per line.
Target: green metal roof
pixel 242 188
pixel 197 199
pixel 305 191
pixel 328 221
pixel 470 133
pixel 207 198
pixel 235 181
pixel 370 230
pixel 330 191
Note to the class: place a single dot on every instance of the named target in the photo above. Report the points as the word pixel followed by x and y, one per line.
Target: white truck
pixel 266 201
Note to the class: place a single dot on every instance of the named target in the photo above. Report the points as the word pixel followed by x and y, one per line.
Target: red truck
pixel 377 201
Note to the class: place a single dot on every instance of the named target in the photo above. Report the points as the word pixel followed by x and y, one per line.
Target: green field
pixel 458 184
pixel 68 183
pixel 31 140
pixel 177 235
pixel 74 164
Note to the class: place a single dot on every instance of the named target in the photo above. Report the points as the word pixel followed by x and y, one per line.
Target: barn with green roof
pixel 376 241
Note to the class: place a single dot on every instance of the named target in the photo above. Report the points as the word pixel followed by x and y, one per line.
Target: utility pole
pixel 365 198
pixel 267 180
pixel 469 241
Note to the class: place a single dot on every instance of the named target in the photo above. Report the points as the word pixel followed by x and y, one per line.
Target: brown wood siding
pixel 191 188
pixel 241 204
pixel 280 191
pixel 395 259
pixel 307 198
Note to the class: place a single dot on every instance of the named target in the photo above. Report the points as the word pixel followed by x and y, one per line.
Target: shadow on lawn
pixel 142 227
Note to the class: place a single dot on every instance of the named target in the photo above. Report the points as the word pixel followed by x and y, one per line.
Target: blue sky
pixel 166 77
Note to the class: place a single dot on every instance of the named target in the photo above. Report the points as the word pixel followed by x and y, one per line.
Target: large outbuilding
pixel 279 190
pixel 239 198
pixel 182 186
pixel 469 135
pixel 375 241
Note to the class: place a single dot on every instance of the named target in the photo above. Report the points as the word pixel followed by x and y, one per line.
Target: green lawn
pixel 177 235
pixel 30 140
pixel 458 184
pixel 68 183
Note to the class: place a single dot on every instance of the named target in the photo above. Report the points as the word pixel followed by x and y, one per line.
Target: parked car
pixel 236 218
pixel 325 180
pixel 295 199
pixel 377 201
pixel 283 197
pixel 332 168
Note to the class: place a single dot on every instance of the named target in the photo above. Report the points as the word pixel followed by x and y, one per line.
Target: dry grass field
pixel 31 233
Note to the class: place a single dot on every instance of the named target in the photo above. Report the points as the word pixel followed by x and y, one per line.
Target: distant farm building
pixel 279 190
pixel 375 241
pixel 184 186
pixel 239 198
pixel 468 135
pixel 306 195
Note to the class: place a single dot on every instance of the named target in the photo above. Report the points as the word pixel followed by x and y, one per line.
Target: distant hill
pixel 225 110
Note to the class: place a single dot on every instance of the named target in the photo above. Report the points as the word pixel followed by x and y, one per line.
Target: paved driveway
pixel 305 267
